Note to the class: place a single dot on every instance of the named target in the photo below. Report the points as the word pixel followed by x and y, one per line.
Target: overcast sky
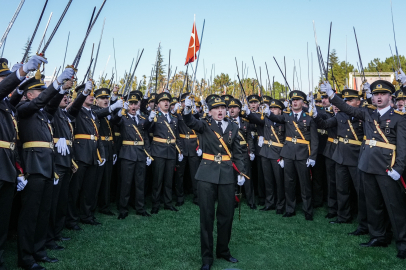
pixel 241 29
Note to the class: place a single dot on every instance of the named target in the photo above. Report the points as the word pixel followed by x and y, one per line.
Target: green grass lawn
pixel 261 240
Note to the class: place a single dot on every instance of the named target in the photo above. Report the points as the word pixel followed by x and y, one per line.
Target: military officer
pixel 134 154
pixel 271 146
pixel 165 143
pixel 299 152
pixel 221 147
pixel 36 136
pixel 381 163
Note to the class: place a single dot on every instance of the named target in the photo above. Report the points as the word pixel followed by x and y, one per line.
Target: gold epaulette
pixel 306 113
pixel 286 112
pixel 372 107
pixel 142 117
pixel 319 105
pixel 246 120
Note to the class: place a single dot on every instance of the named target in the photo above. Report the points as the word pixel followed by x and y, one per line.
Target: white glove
pixel 199 152
pixel 314 110
pixel 177 106
pixel 188 102
pixel 252 156
pixel 367 87
pixel 286 103
pixel 62 147
pixel 21 182
pixel 148 161
pixel 206 110
pixel 56 181
pixel 323 88
pixel 152 116
pixel 102 162
pixel 203 101
pixel 329 90
pixel 33 63
pixel 118 104
pixel 114 159
pixel 267 111
pixel 240 180
pixel 67 74
pixel 260 141
pixel 180 157
pixel 125 106
pixel 146 94
pixel 16 67
pixel 246 109
pixel 402 76
pixel 394 175
pixel 310 162
pixel 88 88
pixel 281 163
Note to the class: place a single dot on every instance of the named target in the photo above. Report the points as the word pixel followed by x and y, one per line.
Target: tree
pixel 29 51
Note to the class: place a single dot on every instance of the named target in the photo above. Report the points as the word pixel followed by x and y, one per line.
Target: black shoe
pixel 261 203
pixel 63 238
pixel 107 212
pixel 267 208
pixel 122 216
pixel 144 214
pixel 47 259
pixel 308 217
pixel 330 215
pixel 74 228
pixel 279 211
pixel 236 205
pixel 318 205
pixel 205 267
pixel 91 222
pixel 340 222
pixel 56 247
pixel 154 211
pixel 374 243
pixel 228 258
pixel 401 254
pixel 179 203
pixel 35 266
pixel 253 206
pixel 358 232
pixel 171 208
pixel 287 214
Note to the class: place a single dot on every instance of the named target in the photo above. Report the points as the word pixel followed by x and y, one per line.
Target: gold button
pixel 220 146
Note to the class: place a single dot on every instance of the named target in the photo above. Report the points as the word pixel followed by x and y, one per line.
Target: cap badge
pixel 379 86
pixel 217 100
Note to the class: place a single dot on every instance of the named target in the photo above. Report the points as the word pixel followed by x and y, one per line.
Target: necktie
pixel 135 119
pixel 379 117
pixel 221 129
pixel 166 116
pixel 295 117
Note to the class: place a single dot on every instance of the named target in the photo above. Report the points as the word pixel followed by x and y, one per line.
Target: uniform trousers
pixel 163 170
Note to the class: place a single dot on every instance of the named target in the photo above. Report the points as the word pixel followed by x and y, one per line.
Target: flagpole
pixel 198 56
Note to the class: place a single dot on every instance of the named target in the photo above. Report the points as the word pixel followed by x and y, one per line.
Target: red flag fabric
pixel 194 46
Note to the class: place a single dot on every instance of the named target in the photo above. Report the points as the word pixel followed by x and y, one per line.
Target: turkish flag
pixel 194 46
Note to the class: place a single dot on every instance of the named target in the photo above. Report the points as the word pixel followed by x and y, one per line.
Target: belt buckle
pixel 294 140
pixel 106 138
pixel 270 143
pixel 323 131
pixel 168 141
pixel 218 158
pixel 345 140
pixel 92 137
pixel 187 136
pixel 12 146
pixel 335 141
pixel 135 142
pixel 51 145
pixel 69 143
pixel 372 143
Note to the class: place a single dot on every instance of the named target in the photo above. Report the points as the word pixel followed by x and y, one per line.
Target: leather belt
pixel 133 143
pixel 68 142
pixel 167 141
pixel 253 133
pixel 7 145
pixel 151 134
pixel 269 143
pixel 188 136
pixel 38 144
pixel 296 140
pixel 217 158
pixel 106 138
pixel 372 143
pixel 332 140
pixel 345 140
pixel 86 137
pixel 117 134
pixel 322 131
